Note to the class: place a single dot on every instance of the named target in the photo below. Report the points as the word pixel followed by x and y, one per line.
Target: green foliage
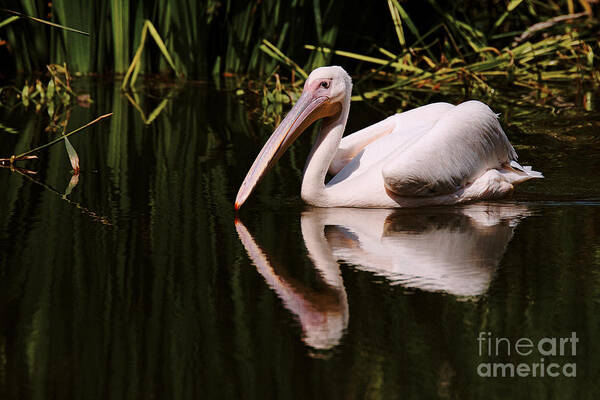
pixel 231 36
pixel 55 98
pixel 135 66
pixel 205 36
pixel 461 57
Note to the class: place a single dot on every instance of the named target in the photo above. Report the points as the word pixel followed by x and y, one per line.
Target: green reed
pixel 203 37
pixel 394 47
pixel 525 44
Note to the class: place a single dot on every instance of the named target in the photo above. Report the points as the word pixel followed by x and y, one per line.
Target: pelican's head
pixel 333 82
pixel 325 92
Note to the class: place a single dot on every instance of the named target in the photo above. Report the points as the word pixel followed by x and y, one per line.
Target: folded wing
pixel 465 142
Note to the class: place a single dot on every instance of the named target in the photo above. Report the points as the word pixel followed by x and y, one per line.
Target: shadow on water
pixel 165 302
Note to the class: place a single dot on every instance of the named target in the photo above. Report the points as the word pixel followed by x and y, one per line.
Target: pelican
pixel 432 155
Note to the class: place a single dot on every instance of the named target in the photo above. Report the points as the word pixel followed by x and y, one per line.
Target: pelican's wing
pixel 360 150
pixel 466 141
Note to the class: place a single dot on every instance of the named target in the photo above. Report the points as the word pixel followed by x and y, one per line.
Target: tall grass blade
pixel 43 21
pixel 403 15
pixel 272 50
pixel 76 50
pixel 119 12
pixel 9 20
pixel 161 45
pixel 511 6
pixel 349 54
pixel 406 18
pixel 135 66
pixel 397 23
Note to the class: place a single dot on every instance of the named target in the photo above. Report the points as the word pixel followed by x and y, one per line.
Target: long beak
pixel 306 110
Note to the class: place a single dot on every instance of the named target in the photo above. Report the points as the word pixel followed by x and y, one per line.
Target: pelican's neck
pixel 322 153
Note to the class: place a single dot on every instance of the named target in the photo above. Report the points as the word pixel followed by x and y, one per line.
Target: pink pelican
pixel 432 155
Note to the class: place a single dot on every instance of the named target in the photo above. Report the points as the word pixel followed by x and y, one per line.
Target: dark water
pixel 141 284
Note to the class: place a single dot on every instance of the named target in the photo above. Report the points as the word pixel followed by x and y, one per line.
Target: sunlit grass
pixel 454 57
pixel 455 49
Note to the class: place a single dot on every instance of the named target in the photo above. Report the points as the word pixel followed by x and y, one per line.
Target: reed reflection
pixel 451 250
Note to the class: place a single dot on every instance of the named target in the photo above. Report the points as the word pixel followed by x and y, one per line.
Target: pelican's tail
pixel 516 173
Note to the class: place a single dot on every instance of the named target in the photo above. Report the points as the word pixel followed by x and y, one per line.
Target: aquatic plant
pixel 455 57
pixel 73 157
pixel 407 39
pixel 56 95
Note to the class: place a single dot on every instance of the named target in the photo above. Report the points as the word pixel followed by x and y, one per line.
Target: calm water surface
pixel 141 283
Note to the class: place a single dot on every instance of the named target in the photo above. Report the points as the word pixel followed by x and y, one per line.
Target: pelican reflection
pixel 452 250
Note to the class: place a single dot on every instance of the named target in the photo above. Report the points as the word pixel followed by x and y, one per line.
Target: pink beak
pixel 296 121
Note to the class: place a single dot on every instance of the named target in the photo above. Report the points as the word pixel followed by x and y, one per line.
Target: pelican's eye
pixel 325 84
